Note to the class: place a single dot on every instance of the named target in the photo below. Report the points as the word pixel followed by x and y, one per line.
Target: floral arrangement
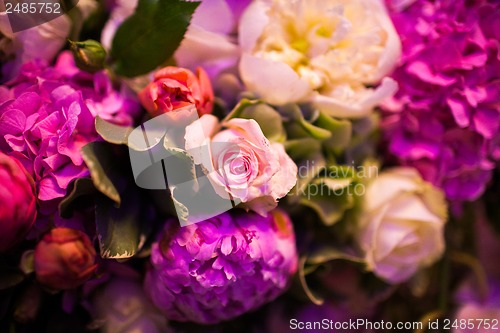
pixel 250 166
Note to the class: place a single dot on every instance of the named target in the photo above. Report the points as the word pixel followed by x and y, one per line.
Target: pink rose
pixel 17 202
pixel 174 88
pixel 64 259
pixel 241 162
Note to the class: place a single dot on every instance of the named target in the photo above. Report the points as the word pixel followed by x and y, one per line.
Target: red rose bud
pixel 17 202
pixel 64 259
pixel 174 88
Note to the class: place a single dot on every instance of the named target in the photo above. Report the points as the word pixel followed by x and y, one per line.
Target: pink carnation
pixel 445 118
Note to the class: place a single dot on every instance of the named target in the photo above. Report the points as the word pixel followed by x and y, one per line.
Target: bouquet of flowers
pixel 249 165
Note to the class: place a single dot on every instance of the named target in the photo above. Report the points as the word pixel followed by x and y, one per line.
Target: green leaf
pixel 81 187
pixel 341 131
pixel 330 205
pixel 112 133
pixel 150 36
pixel 269 119
pixel 121 230
pixel 310 162
pixel 298 127
pixel 100 160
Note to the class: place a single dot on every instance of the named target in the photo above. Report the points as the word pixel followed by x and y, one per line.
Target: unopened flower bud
pixel 89 55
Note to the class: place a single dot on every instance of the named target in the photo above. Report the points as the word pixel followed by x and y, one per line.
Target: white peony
pixel 322 51
pixel 402 224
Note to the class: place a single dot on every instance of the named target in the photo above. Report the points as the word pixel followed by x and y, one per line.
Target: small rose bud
pixel 64 259
pixel 89 55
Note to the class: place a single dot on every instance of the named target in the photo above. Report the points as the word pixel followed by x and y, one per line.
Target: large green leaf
pixel 330 205
pixel 150 36
pixel 341 131
pixel 122 230
pixel 81 187
pixel 103 166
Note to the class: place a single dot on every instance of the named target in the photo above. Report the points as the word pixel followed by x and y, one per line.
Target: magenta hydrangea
pixel 445 118
pixel 220 268
pixel 47 115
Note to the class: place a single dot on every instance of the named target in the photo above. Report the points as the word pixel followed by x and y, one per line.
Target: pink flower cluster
pixel 47 115
pixel 445 118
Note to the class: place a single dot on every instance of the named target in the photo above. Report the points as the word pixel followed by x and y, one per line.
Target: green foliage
pixel 98 157
pixel 150 36
pixel 268 118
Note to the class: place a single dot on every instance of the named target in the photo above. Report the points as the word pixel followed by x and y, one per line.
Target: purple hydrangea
pixel 223 267
pixel 47 115
pixel 445 118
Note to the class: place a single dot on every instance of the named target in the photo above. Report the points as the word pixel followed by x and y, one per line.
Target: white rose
pixel 320 51
pixel 402 224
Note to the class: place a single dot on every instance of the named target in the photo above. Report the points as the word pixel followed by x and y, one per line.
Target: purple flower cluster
pixel 223 267
pixel 445 118
pixel 47 115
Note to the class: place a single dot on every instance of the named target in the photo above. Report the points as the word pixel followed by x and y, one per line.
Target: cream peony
pixel 402 224
pixel 241 162
pixel 322 51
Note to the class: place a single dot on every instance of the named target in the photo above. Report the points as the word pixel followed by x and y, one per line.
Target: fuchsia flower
pixel 17 202
pixel 47 115
pixel 64 259
pixel 220 268
pixel 445 118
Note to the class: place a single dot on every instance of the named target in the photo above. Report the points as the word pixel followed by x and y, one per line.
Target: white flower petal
pixel 252 24
pixel 214 16
pixel 274 82
pixel 214 52
pixel 286 177
pixel 356 107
